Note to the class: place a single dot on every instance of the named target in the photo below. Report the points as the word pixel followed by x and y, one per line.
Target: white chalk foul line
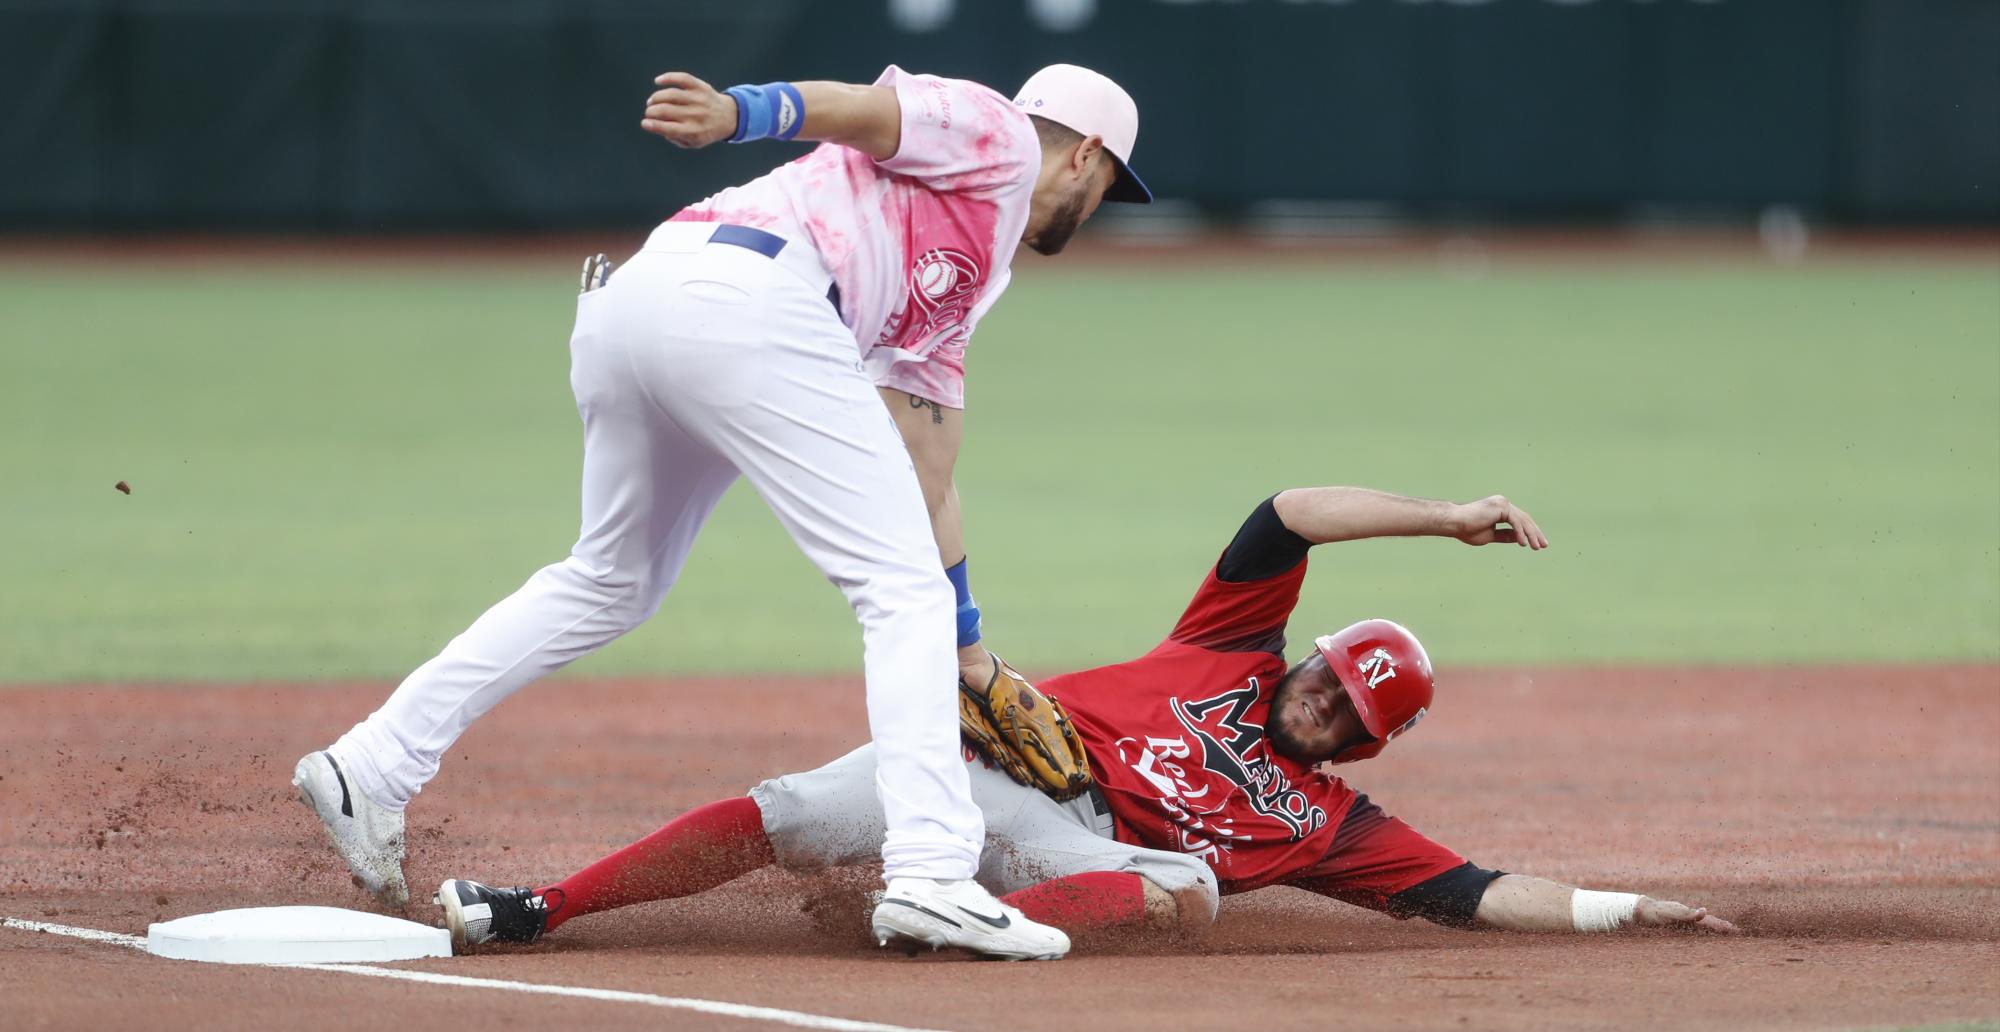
pixel 137 942
pixel 799 1019
pixel 733 1010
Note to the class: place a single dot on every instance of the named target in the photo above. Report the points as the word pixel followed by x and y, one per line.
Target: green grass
pixel 335 469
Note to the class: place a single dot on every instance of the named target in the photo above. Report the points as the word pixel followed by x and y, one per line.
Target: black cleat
pixel 478 914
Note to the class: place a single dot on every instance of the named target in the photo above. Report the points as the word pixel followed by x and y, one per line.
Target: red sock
pixel 1094 899
pixel 696 851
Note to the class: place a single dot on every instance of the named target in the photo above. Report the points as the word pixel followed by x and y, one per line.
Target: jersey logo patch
pixel 943 283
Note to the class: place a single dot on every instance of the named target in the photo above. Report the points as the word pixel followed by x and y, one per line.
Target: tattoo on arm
pixel 937 410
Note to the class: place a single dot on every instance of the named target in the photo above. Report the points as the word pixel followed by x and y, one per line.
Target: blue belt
pixel 767 244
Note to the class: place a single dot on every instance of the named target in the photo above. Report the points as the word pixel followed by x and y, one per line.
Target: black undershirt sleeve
pixel 1263 547
pixel 1449 899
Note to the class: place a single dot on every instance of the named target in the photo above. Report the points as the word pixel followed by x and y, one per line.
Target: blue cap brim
pixel 1128 187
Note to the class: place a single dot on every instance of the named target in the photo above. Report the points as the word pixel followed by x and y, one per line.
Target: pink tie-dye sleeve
pixel 959 136
pixel 940 375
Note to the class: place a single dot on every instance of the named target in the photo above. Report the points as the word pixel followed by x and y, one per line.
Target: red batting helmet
pixel 1387 676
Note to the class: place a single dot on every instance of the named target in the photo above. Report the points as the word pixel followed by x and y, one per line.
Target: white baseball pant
pixel 698 361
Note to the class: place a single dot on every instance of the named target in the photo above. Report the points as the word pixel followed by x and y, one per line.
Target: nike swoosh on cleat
pixel 346 804
pixel 926 910
pixel 994 922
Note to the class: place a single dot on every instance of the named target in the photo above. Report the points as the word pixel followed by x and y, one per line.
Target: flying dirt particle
pixel 123 487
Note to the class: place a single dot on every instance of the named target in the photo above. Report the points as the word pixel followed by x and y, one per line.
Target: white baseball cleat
pixel 934 913
pixel 365 834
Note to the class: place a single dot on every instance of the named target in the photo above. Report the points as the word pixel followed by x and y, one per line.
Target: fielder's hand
pixel 688 112
pixel 1496 520
pixel 1661 913
pixel 976 668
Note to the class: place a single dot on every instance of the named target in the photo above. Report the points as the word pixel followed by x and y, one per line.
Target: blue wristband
pixel 773 111
pixel 968 610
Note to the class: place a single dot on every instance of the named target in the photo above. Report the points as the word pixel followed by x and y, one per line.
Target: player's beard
pixel 1062 224
pixel 1283 712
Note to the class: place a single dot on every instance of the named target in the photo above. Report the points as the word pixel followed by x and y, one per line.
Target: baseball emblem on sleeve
pixel 943 283
pixel 938 272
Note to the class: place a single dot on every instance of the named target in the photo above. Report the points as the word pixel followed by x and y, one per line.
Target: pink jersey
pixel 920 244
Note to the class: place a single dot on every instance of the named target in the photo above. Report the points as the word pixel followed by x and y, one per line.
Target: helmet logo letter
pixel 1378 667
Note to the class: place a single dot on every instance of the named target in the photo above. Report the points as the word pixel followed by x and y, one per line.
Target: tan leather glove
pixel 1024 733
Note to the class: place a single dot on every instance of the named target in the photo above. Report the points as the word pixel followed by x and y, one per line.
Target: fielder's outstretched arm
pixel 1520 903
pixel 690 113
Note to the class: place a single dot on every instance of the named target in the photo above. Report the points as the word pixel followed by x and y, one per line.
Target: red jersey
pixel 1177 745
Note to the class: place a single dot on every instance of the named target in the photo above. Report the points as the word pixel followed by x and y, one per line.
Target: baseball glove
pixel 1024 733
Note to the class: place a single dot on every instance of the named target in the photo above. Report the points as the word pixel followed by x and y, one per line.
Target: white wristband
pixel 1601 911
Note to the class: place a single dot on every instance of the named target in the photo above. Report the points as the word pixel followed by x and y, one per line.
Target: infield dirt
pixel 1849 819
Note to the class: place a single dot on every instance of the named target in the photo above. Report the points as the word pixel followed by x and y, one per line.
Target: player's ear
pixel 1085 153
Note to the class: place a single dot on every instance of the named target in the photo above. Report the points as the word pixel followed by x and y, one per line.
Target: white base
pixel 295 935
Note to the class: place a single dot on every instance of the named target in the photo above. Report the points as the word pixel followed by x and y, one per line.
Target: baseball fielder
pixel 1210 760
pixel 759 333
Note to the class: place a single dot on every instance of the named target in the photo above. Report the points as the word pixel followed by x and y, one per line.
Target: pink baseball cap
pixel 1094 106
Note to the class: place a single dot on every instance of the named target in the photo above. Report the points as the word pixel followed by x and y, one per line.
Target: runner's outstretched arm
pixel 1520 903
pixel 1325 514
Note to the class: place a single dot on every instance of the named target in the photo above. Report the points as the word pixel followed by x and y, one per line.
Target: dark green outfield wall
pixel 522 113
